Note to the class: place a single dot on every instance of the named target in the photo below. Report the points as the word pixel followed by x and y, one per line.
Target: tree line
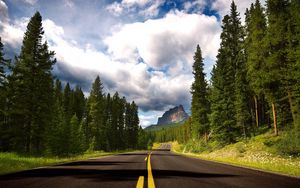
pixel 255 83
pixel 39 116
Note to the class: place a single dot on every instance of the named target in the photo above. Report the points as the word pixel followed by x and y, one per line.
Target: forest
pixel 40 115
pixel 255 83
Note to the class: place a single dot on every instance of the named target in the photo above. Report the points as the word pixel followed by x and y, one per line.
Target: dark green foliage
pixel 4 134
pixel 200 104
pixel 38 117
pixel 275 82
pixel 132 126
pixel 30 91
pixel 290 143
pixel 293 76
pixel 255 82
pixel 181 133
pixel 96 127
pixel 255 53
pixel 229 95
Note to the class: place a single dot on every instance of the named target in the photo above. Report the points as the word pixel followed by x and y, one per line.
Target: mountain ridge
pixel 173 115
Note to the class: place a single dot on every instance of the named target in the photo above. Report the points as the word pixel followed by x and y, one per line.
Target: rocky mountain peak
pixel 173 115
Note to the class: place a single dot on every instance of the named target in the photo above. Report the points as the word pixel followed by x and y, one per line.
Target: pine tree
pixel 239 62
pixel 293 76
pixel 108 123
pixel 31 90
pixel 78 103
pixel 276 62
pixel 200 104
pixel 95 108
pixel 76 135
pixel 4 129
pixel 134 125
pixel 229 95
pixel 255 53
pixel 67 103
pixel 128 125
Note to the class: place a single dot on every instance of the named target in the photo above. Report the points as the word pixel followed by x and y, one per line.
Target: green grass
pixel 12 162
pixel 259 152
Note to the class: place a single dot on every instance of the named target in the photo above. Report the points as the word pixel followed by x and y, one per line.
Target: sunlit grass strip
pixel 257 159
pixel 12 162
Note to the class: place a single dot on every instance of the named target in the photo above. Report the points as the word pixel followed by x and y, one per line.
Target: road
pixel 159 168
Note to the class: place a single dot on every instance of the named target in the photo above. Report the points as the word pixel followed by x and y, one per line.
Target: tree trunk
pixel 291 107
pixel 256 111
pixel 274 119
pixel 205 137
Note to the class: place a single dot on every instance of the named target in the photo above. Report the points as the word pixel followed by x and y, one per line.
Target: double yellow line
pixel 140 183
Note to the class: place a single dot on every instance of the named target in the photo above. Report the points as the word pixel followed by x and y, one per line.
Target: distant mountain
pixel 174 115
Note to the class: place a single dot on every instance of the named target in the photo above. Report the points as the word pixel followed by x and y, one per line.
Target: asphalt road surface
pixel 159 168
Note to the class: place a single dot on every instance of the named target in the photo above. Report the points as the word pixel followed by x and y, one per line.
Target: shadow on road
pixel 95 163
pixel 106 175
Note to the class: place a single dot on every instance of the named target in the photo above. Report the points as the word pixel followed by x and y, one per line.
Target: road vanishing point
pixel 158 168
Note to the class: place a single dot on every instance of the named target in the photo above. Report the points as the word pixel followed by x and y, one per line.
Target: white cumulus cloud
pixel 166 42
pixel 223 6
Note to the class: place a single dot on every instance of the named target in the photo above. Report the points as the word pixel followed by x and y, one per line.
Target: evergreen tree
pixel 239 62
pixel 67 103
pixel 228 95
pixel 31 90
pixel 222 97
pixel 134 125
pixel 95 104
pixel 4 129
pixel 200 104
pixel 76 144
pixel 108 123
pixel 255 53
pixel 293 75
pixel 276 60
pixel 78 103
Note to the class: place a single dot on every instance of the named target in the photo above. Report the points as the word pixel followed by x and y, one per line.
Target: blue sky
pixel 141 48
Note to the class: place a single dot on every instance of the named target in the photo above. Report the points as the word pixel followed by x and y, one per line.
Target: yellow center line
pixel 140 183
pixel 150 177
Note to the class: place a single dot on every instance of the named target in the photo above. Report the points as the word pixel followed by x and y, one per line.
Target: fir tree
pixel 228 95
pixel 239 63
pixel 293 76
pixel 200 104
pixel 31 90
pixel 255 53
pixel 4 129
pixel 78 103
pixel 276 62
pixel 95 104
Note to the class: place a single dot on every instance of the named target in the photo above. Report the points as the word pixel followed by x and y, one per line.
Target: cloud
pixel 11 32
pixel 223 6
pixel 151 89
pixel 196 6
pixel 3 12
pixel 149 118
pixel 148 62
pixel 165 42
pixel 146 8
pixel 31 2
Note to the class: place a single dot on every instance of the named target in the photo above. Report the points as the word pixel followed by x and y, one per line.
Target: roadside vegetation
pixel 43 116
pixel 13 162
pixel 260 152
pixel 248 113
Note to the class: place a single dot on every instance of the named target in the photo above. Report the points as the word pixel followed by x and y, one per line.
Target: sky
pixel 141 48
